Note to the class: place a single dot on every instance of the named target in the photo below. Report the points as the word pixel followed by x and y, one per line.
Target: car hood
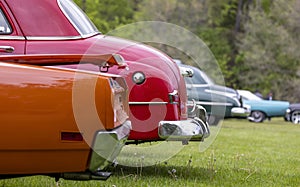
pixel 267 103
pixel 221 90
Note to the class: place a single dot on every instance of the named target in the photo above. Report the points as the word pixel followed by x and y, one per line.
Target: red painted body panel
pixel 38 18
pixel 163 75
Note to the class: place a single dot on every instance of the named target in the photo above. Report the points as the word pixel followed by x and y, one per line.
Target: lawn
pixel 242 154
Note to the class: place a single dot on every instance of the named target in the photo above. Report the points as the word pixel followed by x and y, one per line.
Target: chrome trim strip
pixel 213 103
pixel 6 37
pixel 198 85
pixel 82 71
pixel 90 35
pixel 148 103
pixel 53 37
pixel 7 64
pixel 224 93
pixel 57 38
pixel 68 17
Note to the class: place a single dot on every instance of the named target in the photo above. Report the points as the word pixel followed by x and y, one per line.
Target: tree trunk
pixel 238 17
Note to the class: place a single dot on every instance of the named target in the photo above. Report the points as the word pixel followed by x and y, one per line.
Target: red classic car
pixel 50 126
pixel 157 94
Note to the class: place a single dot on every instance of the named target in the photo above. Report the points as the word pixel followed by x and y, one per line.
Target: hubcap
pixel 296 117
pixel 257 116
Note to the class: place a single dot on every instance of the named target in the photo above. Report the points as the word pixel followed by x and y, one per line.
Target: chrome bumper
pixel 195 128
pixel 241 111
pixel 287 116
pixel 107 146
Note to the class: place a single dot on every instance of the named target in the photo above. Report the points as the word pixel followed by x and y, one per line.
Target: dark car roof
pixel 294 106
pixel 200 77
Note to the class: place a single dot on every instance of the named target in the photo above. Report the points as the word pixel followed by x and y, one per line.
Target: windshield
pixel 248 95
pixel 78 19
pixel 206 78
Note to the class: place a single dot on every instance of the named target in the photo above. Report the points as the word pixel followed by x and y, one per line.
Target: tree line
pixel 254 41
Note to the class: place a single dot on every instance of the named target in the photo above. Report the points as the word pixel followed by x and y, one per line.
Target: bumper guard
pixel 241 111
pixel 195 128
pixel 107 146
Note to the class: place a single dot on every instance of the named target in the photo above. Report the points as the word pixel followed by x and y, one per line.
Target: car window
pixel 76 16
pixel 5 27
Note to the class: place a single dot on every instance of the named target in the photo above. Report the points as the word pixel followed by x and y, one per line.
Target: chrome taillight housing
pixel 119 99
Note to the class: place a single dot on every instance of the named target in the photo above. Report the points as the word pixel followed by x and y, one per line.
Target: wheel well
pixel 265 114
pixel 296 110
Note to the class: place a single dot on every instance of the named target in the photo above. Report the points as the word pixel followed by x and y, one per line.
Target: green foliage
pixel 217 41
pixel 268 52
pixel 266 4
pixel 212 21
pixel 220 34
pixel 254 42
pixel 188 14
pixel 222 13
pixel 108 14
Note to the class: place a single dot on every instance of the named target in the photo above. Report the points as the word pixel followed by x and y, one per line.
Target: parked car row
pixel 220 102
pixel 72 97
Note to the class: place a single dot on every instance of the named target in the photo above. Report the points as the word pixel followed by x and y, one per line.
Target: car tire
pixel 213 120
pixel 257 116
pixel 295 117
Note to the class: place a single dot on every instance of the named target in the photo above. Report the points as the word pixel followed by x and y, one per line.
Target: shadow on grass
pixel 164 171
pixel 224 176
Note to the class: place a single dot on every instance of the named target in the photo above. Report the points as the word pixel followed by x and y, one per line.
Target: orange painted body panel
pixel 37 105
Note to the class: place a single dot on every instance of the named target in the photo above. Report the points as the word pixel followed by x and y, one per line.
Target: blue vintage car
pixel 263 109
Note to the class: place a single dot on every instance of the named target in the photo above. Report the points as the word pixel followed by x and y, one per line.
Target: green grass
pixel 243 154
